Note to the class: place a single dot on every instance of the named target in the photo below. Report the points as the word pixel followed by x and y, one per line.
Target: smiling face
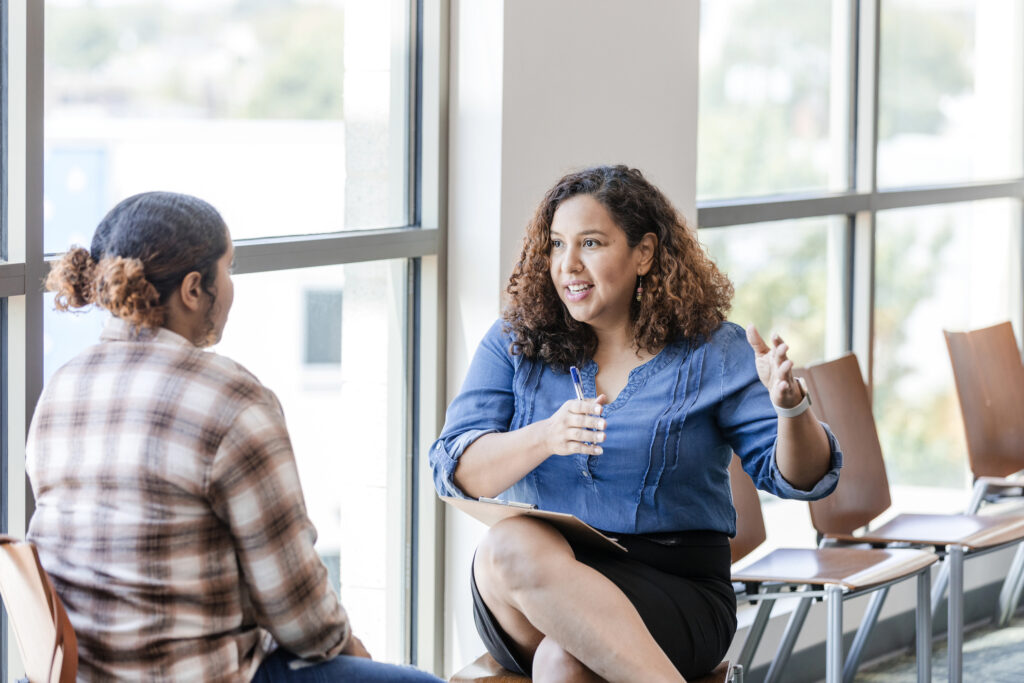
pixel 593 268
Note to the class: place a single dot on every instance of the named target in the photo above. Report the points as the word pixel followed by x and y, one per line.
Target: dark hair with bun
pixel 141 252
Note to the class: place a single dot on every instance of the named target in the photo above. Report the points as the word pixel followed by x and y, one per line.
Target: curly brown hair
pixel 141 251
pixel 685 297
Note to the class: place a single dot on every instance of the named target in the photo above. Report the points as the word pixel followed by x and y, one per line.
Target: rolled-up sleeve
pixel 485 404
pixel 748 419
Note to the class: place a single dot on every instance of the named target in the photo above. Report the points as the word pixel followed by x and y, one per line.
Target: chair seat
pixel 851 568
pixel 971 531
pixel 486 670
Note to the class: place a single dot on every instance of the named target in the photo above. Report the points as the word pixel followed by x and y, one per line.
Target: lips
pixel 578 291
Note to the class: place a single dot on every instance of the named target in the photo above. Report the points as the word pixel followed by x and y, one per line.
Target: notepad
pixel 491 511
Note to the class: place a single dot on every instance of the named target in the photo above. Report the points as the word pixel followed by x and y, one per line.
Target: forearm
pixel 802 450
pixel 497 460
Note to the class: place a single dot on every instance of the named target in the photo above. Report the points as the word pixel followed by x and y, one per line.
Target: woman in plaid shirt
pixel 168 506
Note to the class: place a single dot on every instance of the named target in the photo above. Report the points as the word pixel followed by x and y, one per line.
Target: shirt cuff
pixel 825 485
pixel 450 459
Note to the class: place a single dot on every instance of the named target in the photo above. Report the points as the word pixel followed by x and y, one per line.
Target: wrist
pixel 801 407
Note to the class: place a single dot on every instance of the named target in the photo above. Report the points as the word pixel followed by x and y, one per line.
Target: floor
pixel 990 655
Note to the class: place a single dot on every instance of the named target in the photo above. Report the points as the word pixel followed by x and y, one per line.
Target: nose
pixel 571 260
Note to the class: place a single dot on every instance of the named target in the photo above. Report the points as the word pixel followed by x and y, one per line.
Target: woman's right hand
pixel 577 427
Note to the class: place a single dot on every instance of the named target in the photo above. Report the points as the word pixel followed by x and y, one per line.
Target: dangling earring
pixel 640 289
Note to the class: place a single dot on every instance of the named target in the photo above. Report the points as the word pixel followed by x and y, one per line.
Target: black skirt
pixel 678 582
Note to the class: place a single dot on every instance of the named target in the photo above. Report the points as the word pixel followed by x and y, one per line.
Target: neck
pixel 614 340
pixel 180 320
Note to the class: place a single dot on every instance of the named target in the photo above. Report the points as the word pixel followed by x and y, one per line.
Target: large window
pixel 310 126
pixel 290 118
pixel 860 180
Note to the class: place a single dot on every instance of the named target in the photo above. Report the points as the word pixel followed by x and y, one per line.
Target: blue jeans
pixel 278 667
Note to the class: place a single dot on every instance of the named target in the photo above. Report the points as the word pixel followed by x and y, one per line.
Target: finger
pixel 586 422
pixel 585 435
pixel 755 341
pixel 584 448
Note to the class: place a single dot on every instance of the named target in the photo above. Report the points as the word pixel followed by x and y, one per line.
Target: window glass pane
pixel 950 91
pixel 290 117
pixel 346 419
pixel 782 279
pixel 953 267
pixel 773 94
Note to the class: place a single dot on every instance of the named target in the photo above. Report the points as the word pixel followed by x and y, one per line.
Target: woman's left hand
pixel 774 369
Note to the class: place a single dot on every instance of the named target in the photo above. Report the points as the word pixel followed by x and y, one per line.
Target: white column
pixel 540 88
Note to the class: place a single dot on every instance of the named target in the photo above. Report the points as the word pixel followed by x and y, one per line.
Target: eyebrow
pixel 585 233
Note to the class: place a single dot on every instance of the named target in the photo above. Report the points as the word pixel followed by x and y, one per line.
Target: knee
pixel 552 663
pixel 518 553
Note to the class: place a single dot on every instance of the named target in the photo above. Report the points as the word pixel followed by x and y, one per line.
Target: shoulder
pixel 499 339
pixel 727 339
pixel 239 382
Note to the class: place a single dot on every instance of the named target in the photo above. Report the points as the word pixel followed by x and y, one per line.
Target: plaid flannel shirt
pixel 170 516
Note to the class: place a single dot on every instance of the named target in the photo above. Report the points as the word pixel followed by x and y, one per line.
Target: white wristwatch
pixel 800 407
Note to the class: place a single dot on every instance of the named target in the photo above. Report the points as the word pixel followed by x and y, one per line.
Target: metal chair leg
pixel 756 632
pixel 923 614
pixel 861 639
pixel 785 649
pixel 834 636
pixel 955 610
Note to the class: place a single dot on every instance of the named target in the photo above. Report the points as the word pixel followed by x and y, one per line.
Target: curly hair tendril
pixel 71 278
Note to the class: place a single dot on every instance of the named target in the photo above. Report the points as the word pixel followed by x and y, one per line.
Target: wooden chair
pixel 45 638
pixel 486 670
pixel 840 398
pixel 832 574
pixel 989 379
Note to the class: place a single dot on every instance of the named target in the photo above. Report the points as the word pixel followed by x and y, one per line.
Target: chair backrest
pixel 750 531
pixel 45 638
pixel 990 384
pixel 840 398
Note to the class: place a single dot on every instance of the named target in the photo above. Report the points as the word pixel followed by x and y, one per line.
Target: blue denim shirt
pixel 670 435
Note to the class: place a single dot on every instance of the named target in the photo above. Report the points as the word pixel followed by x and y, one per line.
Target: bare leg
pixel 529 578
pixel 552 663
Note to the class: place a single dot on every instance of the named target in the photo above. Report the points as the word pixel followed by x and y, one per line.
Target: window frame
pixel 421 242
pixel 862 202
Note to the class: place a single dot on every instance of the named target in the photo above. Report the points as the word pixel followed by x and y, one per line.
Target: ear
pixel 646 248
pixel 191 291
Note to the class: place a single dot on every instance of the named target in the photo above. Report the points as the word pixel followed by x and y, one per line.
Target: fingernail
pixel 599 450
pixel 600 436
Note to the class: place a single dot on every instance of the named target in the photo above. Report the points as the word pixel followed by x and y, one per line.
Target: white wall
pixel 539 88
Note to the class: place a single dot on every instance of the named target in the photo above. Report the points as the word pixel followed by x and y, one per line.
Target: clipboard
pixel 490 512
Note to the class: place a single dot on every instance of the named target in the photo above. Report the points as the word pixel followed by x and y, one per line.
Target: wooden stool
pixel 486 670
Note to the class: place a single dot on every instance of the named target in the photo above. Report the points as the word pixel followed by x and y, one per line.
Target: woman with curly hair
pixel 168 506
pixel 613 281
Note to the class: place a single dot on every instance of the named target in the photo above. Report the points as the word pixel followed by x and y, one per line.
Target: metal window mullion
pixel 12 279
pixel 265 255
pixel 862 289
pixel 725 213
pixel 429 629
